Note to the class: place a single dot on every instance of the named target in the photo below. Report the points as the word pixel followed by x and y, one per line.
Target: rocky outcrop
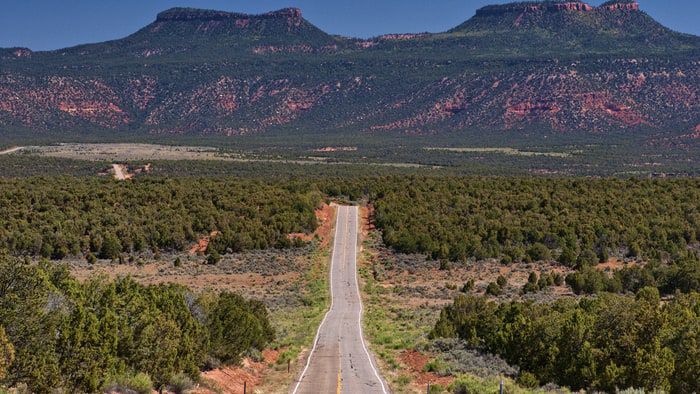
pixel 620 6
pixel 15 53
pixel 495 10
pixel 555 6
pixel 401 37
pixel 194 14
pixel 208 20
pixel 22 52
pixel 61 100
pixel 268 49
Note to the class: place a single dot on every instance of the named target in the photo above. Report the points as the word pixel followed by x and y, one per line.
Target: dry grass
pixel 504 151
pixel 125 152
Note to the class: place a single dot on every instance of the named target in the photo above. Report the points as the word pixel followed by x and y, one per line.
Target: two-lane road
pixel 339 361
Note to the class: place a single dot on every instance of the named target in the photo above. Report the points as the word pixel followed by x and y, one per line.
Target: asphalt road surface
pixel 340 361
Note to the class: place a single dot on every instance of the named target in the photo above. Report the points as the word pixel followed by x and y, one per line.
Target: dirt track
pixel 11 150
pixel 120 172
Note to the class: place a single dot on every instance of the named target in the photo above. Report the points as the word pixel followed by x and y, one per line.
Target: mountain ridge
pixel 558 65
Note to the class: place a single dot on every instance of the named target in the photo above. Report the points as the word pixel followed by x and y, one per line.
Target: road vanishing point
pixel 339 361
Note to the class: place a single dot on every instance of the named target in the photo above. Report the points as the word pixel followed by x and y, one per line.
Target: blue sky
pixel 53 24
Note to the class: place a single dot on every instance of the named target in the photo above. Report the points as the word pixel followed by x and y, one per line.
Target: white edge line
pixel 318 332
pixel 359 295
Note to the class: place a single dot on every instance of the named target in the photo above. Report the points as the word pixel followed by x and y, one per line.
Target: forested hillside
pixel 57 217
pixel 57 333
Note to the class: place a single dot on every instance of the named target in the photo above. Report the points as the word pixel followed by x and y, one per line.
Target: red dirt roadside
pixel 230 380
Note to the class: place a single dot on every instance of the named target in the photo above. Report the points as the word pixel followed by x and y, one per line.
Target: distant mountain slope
pixel 554 65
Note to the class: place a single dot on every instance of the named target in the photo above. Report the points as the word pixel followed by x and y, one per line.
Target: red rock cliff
pixel 621 6
pixel 534 7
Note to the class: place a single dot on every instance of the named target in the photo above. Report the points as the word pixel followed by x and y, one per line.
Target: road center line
pixel 325 317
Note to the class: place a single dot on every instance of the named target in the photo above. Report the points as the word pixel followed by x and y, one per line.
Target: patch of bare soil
pixel 232 379
pixel 415 363
pixel 367 225
pixel 201 246
pixel 324 215
pixel 11 150
pixel 337 149
pixel 121 173
pixel 614 264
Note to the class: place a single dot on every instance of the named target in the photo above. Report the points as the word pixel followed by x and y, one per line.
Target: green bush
pixel 180 383
pixel 493 289
pixel 213 258
pixel 501 281
pixel 139 383
pixel 7 353
pixel 527 380
pixel 468 286
pixel 539 252
pixel 438 367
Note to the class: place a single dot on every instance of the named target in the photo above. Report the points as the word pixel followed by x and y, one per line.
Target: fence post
pixel 500 390
pixel 289 365
pixel 245 387
pixel 428 387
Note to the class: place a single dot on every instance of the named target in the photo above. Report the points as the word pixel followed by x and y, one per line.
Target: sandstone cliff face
pixel 15 53
pixel 565 98
pixel 620 6
pixel 533 7
pixel 54 100
pixel 292 15
pixel 552 6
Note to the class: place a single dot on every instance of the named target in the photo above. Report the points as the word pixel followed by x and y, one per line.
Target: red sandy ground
pixel 614 264
pixel 325 215
pixel 201 246
pixel 416 361
pixel 230 380
pixel 366 213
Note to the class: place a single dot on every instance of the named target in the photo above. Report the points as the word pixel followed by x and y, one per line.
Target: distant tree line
pixel 62 216
pixel 56 332
pixel 578 222
pixel 606 343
